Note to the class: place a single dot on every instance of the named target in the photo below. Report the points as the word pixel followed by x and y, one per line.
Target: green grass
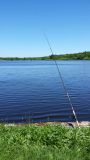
pixel 52 142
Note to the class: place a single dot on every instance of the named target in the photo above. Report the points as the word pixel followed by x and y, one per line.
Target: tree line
pixel 75 56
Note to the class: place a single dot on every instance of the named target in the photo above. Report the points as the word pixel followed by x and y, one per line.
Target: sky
pixel 23 22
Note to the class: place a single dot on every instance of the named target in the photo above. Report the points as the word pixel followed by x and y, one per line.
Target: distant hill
pixel 74 56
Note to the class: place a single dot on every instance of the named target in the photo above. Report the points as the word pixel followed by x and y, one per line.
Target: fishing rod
pixel 64 86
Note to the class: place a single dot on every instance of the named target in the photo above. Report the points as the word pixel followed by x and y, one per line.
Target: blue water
pixel 31 91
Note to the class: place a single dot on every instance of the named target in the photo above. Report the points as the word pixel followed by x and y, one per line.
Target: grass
pixel 51 142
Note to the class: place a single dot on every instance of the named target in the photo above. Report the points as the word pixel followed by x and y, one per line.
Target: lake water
pixel 31 91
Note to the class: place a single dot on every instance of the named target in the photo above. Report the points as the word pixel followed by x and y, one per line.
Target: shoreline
pixel 66 124
pixel 85 55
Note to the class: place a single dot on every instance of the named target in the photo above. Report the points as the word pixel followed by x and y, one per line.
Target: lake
pixel 31 91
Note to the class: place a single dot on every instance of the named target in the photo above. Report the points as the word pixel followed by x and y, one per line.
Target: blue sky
pixel 22 23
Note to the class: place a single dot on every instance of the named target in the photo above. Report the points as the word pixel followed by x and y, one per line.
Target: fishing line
pixel 60 75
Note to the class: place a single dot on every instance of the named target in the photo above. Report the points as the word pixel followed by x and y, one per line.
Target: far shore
pixel 72 56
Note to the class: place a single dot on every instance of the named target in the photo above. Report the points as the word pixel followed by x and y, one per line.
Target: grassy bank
pixel 52 142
